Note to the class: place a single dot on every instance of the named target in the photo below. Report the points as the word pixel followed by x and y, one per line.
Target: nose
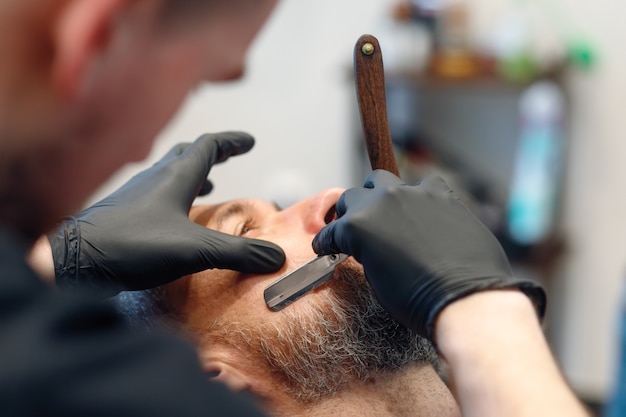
pixel 226 75
pixel 316 211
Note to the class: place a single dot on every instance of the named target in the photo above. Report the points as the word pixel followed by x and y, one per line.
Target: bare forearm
pixel 40 259
pixel 499 360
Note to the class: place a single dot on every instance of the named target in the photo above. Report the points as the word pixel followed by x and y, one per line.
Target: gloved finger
pixel 213 148
pixel 193 166
pixel 252 256
pixel 173 153
pixel 349 197
pixel 326 242
pixel 207 187
pixel 382 178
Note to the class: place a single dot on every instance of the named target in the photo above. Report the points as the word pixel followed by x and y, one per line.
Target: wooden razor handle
pixel 370 91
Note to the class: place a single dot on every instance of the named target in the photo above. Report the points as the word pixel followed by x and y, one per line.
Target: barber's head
pixel 311 349
pixel 86 85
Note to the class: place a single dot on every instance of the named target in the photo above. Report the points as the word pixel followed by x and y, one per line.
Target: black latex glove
pixel 140 236
pixel 420 247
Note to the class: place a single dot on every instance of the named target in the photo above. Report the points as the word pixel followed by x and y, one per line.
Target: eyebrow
pixel 234 209
pixel 229 211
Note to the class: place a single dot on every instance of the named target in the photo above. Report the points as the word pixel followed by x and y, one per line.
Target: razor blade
pixel 300 281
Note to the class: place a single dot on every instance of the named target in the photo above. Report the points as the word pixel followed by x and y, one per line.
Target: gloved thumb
pixel 325 242
pixel 381 178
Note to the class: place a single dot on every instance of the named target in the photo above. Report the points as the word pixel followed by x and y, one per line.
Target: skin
pixel 514 374
pixel 237 299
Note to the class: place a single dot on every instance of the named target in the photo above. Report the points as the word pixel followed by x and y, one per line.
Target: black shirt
pixel 66 355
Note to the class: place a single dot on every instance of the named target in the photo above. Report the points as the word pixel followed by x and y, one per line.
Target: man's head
pixel 312 349
pixel 86 85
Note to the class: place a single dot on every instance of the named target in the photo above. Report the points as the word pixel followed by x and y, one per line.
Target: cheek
pixel 206 295
pixel 299 252
pixel 224 60
pixel 225 295
pixel 295 244
pixel 174 72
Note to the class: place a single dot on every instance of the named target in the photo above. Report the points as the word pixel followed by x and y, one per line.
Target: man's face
pixel 181 56
pixel 239 297
pixel 151 67
pixel 114 81
pixel 333 335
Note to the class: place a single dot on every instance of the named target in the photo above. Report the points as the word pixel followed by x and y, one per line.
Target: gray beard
pixel 313 353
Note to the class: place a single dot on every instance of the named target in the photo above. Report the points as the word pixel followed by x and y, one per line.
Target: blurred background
pixel 517 103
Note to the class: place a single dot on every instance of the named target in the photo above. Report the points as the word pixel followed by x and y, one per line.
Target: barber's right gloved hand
pixel 420 247
pixel 140 236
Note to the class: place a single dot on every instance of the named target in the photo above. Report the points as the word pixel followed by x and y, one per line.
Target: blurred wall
pixel 297 98
pixel 592 278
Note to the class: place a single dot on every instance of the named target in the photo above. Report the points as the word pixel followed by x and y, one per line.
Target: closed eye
pixel 240 217
pixel 246 226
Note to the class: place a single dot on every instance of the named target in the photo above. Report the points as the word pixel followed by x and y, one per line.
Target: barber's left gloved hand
pixel 421 248
pixel 140 236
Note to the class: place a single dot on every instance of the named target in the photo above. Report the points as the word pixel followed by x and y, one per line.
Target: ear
pixel 220 371
pixel 81 32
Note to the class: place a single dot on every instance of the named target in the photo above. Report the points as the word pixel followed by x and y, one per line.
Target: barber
pixel 85 85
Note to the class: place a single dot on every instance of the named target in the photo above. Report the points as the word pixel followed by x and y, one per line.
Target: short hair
pixel 147 310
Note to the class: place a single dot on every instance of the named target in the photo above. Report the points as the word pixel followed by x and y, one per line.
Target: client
pixel 334 352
